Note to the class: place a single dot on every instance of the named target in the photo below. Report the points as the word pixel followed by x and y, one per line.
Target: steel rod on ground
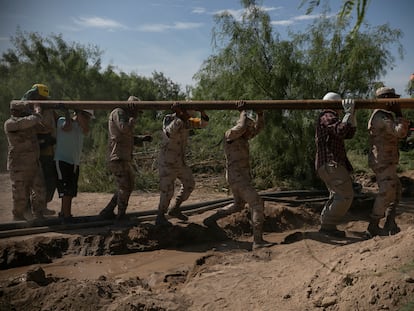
pixel 293 104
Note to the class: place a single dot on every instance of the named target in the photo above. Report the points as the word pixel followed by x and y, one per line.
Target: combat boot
pixel 176 212
pixel 161 221
pixel 108 211
pixel 390 226
pixel 332 230
pixel 258 241
pixel 374 228
pixel 122 216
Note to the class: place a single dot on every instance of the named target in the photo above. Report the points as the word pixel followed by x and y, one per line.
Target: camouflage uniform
pixel 120 148
pixel 23 163
pixel 385 133
pixel 238 173
pixel 47 140
pixel 171 161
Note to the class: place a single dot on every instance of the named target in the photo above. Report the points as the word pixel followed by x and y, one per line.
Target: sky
pixel 175 36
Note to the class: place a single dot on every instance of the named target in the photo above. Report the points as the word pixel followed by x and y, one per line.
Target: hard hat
pixel 382 91
pixel 38 91
pixel 332 96
pixel 42 89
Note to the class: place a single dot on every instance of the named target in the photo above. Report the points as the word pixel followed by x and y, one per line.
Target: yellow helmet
pixel 42 89
pixel 38 91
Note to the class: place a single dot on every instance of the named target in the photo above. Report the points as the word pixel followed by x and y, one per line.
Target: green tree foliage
pixel 73 72
pixel 252 62
pixel 348 6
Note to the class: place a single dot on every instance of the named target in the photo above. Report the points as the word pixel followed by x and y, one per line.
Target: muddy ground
pixel 137 266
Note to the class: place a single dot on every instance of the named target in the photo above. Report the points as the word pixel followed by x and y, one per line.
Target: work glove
pixel 240 105
pixel 349 109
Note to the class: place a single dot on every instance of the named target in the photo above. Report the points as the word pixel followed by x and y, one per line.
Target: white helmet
pixel 332 96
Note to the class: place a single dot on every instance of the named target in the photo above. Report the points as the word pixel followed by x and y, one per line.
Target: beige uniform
pixel 171 160
pixel 120 148
pixel 23 163
pixel 385 132
pixel 47 141
pixel 238 173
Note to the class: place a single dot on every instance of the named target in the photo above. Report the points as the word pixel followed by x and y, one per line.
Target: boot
pixel 390 225
pixel 48 212
pixel 108 211
pixel 122 216
pixel 374 228
pixel 176 212
pixel 161 221
pixel 332 230
pixel 258 241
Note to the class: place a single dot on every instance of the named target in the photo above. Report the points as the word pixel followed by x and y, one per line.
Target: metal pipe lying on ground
pixel 290 104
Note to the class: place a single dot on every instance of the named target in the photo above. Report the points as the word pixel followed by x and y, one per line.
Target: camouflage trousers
pixel 339 184
pixel 168 175
pixel 244 192
pixel 389 191
pixel 28 185
pixel 125 180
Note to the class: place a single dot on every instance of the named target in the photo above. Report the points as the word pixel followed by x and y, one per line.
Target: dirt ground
pixel 193 267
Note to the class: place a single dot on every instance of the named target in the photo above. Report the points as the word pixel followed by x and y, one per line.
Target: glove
pixel 349 105
pixel 349 108
pixel 240 105
pixel 133 110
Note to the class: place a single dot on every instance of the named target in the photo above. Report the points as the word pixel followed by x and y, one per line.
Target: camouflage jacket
pixel 385 132
pixel 23 149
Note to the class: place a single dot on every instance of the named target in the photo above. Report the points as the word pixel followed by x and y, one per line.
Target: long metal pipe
pixel 293 104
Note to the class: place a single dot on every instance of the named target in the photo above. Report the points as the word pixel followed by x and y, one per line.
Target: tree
pixel 348 6
pixel 253 63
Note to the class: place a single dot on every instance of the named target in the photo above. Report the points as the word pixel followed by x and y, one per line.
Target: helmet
pixel 332 96
pixel 38 91
pixel 42 90
pixel 386 92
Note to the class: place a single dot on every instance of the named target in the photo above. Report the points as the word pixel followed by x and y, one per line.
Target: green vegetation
pixel 250 62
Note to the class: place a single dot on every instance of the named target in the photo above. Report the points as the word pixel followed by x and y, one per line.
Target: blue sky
pixel 174 36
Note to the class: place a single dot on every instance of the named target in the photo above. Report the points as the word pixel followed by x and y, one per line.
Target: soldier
pixel 332 164
pixel 238 172
pixel 69 143
pixel 23 161
pixel 47 140
pixel 385 131
pixel 171 160
pixel 121 143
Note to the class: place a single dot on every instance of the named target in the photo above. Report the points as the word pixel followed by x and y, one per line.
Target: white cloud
pixel 165 27
pixel 199 10
pixel 293 20
pixel 98 22
pixel 285 22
